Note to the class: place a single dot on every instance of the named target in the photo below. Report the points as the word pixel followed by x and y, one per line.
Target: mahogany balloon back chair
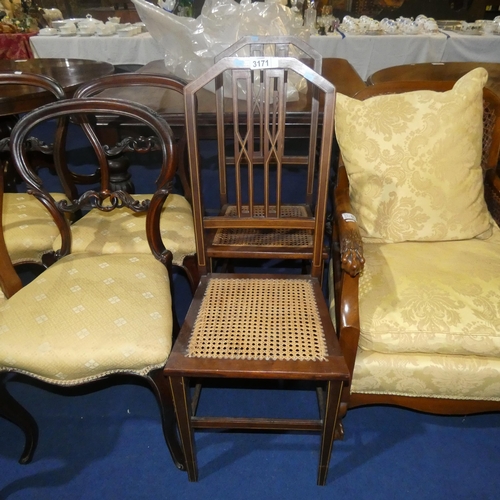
pixel 92 232
pixel 251 325
pixel 28 228
pixel 90 316
pixel 415 283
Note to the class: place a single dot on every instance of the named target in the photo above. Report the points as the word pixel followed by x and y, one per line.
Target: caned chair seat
pixel 104 232
pixel 127 318
pixel 265 237
pixel 29 229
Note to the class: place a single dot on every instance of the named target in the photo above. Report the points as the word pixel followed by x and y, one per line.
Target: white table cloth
pixel 366 53
pixel 138 49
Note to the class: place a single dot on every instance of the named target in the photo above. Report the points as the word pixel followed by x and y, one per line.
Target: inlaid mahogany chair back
pixel 91 316
pixel 459 273
pixel 27 226
pixel 177 223
pixel 254 325
pixel 259 145
pixel 274 46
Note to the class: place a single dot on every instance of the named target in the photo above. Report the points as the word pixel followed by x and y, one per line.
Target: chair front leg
pixel 183 410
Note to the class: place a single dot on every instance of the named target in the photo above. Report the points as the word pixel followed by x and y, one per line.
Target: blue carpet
pixel 106 442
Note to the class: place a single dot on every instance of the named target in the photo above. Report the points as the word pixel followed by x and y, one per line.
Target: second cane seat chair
pixel 254 326
pixel 297 142
pixel 92 316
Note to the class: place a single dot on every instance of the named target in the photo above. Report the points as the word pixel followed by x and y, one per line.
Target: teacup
pixel 115 20
pixel 47 31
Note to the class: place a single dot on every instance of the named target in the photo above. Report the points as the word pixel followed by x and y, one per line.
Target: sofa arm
pixel 349 237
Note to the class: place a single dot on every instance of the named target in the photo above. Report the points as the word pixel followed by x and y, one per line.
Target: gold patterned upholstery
pixel 29 229
pixel 410 179
pixel 90 315
pixel 81 319
pixel 102 232
pixel 418 311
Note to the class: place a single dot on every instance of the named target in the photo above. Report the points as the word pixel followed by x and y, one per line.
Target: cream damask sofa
pixel 415 281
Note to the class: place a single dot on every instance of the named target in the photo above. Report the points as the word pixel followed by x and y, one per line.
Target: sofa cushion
pixel 414 162
pixel 431 297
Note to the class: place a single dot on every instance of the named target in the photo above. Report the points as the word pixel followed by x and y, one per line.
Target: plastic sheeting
pixel 190 45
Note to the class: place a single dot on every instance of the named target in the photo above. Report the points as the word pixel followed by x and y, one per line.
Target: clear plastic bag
pixel 190 45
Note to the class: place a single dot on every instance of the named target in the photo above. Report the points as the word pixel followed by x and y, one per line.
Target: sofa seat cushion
pixel 29 229
pixel 89 316
pixel 427 375
pixel 434 298
pixel 124 231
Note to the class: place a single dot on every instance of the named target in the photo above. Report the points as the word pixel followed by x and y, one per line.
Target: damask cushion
pixel 431 297
pixel 88 316
pixel 124 231
pixel 414 162
pixel 427 375
pixel 29 229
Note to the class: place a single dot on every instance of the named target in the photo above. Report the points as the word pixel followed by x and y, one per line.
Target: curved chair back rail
pixel 184 256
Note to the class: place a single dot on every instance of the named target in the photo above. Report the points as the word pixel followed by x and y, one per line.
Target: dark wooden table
pixel 171 106
pixel 450 71
pixel 70 73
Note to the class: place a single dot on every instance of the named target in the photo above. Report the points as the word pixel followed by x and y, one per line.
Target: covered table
pixel 15 46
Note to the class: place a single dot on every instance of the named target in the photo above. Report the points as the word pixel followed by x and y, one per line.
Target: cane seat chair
pixel 296 144
pixel 91 316
pixel 98 231
pixel 255 326
pixel 29 231
pixel 417 314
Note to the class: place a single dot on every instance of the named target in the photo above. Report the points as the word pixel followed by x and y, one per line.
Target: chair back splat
pixel 92 315
pixel 257 325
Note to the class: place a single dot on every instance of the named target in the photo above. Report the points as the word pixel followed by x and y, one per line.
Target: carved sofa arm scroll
pixel 351 245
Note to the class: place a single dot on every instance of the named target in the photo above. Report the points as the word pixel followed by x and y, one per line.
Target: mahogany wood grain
pixel 448 71
pixel 69 73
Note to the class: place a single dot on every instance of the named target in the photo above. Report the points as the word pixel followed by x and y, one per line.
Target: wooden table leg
pixel 182 403
pixel 332 404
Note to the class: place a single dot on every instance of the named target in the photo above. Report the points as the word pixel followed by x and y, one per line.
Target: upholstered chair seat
pixel 98 336
pixel 429 319
pixel 29 229
pixel 102 232
pixel 90 315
